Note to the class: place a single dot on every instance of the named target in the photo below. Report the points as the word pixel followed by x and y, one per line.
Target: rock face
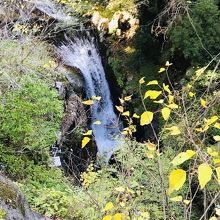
pixel 13 204
pixel 123 24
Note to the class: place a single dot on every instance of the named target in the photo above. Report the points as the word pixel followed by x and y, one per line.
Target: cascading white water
pixel 83 54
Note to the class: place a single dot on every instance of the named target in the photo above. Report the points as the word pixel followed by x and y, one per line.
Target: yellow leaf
pixel 191 94
pixel 128 98
pixel 127 113
pixel 153 82
pixel 151 146
pixel 211 152
pixel 118 216
pixel 88 102
pixel 149 155
pixel 173 106
pixel 97 122
pixel 218 174
pixel 199 129
pixel 119 108
pixel 217 125
pixel 186 201
pixel 176 180
pixel 89 132
pixel 162 69
pixel 153 94
pixel 145 214
pixel 136 116
pixel 125 132
pixel 189 86
pixel 165 113
pixel 174 130
pixel 203 103
pixel 107 217
pixel 213 218
pixel 159 101
pixel 166 88
pixel 216 161
pixel 176 199
pixel 204 174
pixel 85 141
pixel 168 63
pixel 108 206
pixel 146 118
pixel 121 100
pixel 211 120
pixel 217 138
pixel 182 157
pixel 96 97
pixel 141 81
pixel 170 98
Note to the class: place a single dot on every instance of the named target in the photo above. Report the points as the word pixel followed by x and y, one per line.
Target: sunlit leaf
pixel 151 146
pixel 141 81
pixel 217 138
pixel 149 155
pixel 204 174
pixel 120 108
pixel 203 103
pixel 97 122
pixel 107 217
pixel 153 82
pixel 108 206
pixel 186 201
pixel 85 141
pixel 174 130
pixel 127 113
pixel 182 157
pixel 199 129
pixel 98 98
pixel 217 125
pixel 216 161
pixel 118 216
pixel 165 113
pixel 170 99
pixel 189 86
pixel 191 94
pixel 146 118
pixel 145 215
pixel 153 94
pixel 159 101
pixel 128 98
pixel 121 101
pixel 218 174
pixel 166 88
pixel 211 152
pixel 176 180
pixel 211 120
pixel 168 63
pixel 176 199
pixel 89 132
pixel 173 106
pixel 136 116
pixel 88 102
pixel 162 69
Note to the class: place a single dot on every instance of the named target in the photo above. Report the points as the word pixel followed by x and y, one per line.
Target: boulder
pixel 13 204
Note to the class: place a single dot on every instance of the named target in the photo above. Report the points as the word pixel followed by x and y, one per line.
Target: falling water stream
pixel 83 54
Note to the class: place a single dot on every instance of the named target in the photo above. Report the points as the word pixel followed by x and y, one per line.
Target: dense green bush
pixel 197 35
pixel 30 116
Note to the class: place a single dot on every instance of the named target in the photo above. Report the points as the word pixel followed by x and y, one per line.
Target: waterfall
pixel 82 54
